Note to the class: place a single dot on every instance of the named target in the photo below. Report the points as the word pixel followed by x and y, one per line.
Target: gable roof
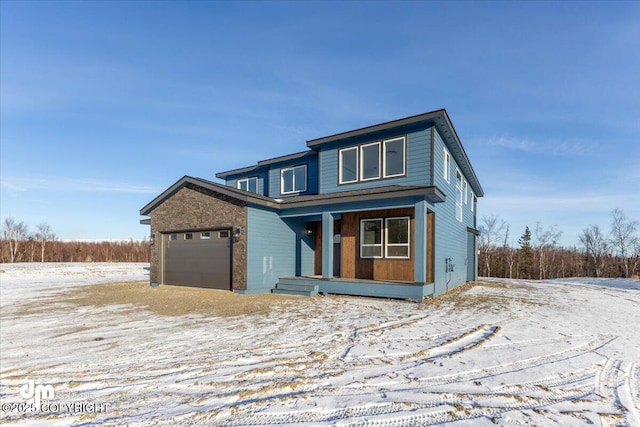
pixel 433 194
pixel 439 118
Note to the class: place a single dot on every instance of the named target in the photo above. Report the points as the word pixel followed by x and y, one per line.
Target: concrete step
pixel 297 287
pixel 290 292
pixel 290 288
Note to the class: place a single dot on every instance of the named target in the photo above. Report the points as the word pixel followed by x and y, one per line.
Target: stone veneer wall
pixel 193 207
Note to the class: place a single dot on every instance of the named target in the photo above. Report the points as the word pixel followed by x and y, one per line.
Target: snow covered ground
pixel 502 352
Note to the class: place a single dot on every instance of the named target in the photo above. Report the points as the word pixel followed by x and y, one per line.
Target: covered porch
pixel 381 248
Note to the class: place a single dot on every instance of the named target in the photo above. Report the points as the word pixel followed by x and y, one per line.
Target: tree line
pixel 537 255
pixel 19 244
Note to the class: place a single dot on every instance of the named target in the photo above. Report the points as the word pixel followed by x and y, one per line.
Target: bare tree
pixel 596 246
pixel 636 257
pixel 14 232
pixel 44 235
pixel 490 231
pixel 511 255
pixel 623 236
pixel 546 240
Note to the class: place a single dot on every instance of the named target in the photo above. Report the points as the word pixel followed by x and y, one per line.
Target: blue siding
pixel 312 176
pixel 276 248
pixel 418 162
pixel 450 234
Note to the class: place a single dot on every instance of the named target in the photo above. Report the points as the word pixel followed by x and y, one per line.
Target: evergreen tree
pixel 525 255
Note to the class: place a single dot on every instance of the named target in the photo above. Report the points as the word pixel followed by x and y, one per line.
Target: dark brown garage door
pixel 198 258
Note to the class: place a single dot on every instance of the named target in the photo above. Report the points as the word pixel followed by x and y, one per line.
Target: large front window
pixel 397 237
pixel 394 232
pixel 371 238
pixel 293 180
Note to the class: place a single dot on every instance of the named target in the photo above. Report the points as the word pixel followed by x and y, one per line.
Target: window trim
pixel 188 236
pixel 340 151
pixel 404 157
pixel 465 190
pixel 446 166
pixel 401 245
pixel 205 235
pixel 459 189
pixel 362 147
pixel 381 244
pixel 382 159
pixel 293 168
pixel 247 181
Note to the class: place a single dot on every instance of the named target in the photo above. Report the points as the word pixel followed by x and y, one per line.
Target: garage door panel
pixel 197 262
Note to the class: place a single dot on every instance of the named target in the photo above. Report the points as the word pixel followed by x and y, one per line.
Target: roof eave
pixel 234 193
pixel 432 194
pixel 223 175
pixel 379 127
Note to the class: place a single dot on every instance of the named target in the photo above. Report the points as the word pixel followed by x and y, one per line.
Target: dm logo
pixel 36 393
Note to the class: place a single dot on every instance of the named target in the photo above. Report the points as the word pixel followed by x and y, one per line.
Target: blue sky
pixel 106 104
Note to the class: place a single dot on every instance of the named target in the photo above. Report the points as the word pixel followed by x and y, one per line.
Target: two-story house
pixel 387 210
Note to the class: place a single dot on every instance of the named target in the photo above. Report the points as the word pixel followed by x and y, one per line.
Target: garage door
pixel 198 258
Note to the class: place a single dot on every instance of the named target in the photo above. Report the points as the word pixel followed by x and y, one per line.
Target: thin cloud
pixel 541 147
pixel 14 185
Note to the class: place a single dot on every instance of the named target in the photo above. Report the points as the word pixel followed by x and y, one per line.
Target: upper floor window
pixel 458 195
pixel 348 165
pixel 293 180
pixel 446 167
pixel 377 160
pixel 394 158
pixel 370 161
pixel 248 184
pixel 465 191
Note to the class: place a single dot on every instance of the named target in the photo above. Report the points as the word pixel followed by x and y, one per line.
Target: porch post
pixel 420 242
pixel 327 245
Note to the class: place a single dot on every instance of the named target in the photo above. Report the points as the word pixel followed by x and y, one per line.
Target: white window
pixel 173 237
pixel 248 184
pixel 474 200
pixel 205 235
pixel 376 160
pixel 293 180
pixel 370 161
pixel 371 238
pixel 397 237
pixel 393 157
pixel 348 168
pixel 458 195
pixel 447 166
pixel 465 190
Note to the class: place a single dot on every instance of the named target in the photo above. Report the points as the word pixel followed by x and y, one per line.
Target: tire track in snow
pixel 607 385
pixel 445 409
pixel 519 364
pixel 632 393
